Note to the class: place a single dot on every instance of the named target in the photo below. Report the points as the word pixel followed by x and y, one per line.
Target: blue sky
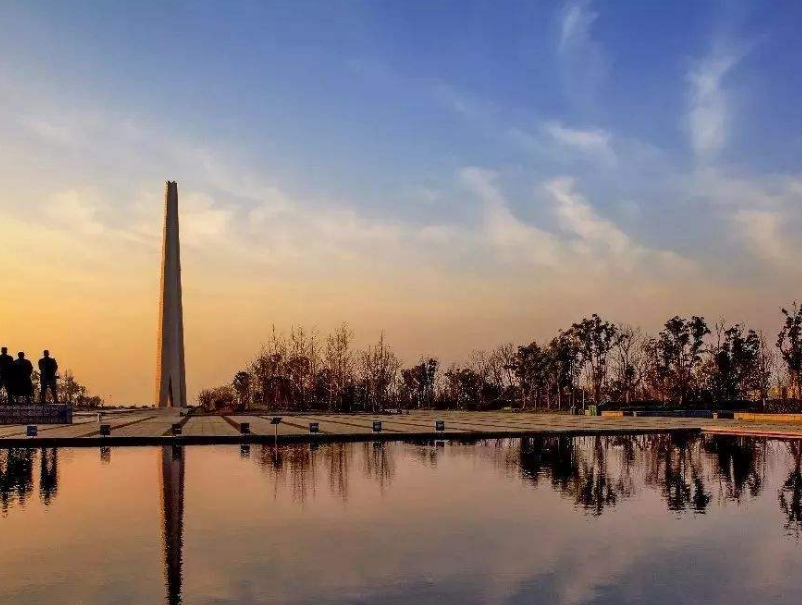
pixel 512 164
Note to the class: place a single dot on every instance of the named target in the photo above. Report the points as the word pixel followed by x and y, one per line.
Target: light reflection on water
pixel 651 518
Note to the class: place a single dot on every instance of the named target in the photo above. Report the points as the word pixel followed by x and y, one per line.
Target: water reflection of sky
pixel 592 520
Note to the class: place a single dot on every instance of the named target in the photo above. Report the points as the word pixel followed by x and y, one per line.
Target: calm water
pixel 649 519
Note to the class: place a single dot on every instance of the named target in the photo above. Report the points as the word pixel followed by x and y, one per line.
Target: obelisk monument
pixel 171 386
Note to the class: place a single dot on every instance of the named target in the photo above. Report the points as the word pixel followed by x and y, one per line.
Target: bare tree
pixel 678 353
pixel 242 387
pixel 789 342
pixel 766 365
pixel 533 367
pixel 629 360
pixel 339 361
pixel 418 383
pixel 597 338
pixel 378 370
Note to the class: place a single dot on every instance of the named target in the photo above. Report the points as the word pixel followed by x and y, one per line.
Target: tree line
pixel 70 391
pixel 688 363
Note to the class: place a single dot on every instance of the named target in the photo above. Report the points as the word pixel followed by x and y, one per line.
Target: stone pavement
pixel 154 426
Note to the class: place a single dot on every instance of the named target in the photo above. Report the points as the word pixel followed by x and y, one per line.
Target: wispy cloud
pixel 576 25
pixel 202 221
pixel 760 215
pixel 585 244
pixel 60 133
pixel 76 212
pixel 507 234
pixel 709 106
pixel 460 102
pixel 584 61
pixel 593 141
pixel 601 242
pixel 578 218
pixel 763 231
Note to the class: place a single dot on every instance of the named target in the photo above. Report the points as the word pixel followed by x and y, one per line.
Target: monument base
pixel 36 414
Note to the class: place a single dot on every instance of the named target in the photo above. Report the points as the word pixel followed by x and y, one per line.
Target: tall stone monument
pixel 171 386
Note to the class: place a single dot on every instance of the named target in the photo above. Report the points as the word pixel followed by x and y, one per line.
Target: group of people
pixel 16 377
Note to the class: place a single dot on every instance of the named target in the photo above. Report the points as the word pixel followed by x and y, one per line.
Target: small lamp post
pixel 275 421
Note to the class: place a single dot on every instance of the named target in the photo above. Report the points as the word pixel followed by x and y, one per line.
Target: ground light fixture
pixel 275 421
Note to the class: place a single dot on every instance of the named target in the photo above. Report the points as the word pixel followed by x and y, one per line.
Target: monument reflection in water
pixel 649 518
pixel 172 492
pixel 17 486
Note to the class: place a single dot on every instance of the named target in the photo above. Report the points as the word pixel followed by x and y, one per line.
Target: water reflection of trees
pixel 686 470
pixel 674 466
pixel 17 476
pixel 299 468
pixel 739 464
pixel 596 472
pixel 378 463
pixel 790 492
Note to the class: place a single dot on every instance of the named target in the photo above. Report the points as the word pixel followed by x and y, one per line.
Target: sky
pixel 455 174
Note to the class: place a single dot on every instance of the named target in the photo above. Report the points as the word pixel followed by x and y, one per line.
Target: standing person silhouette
pixel 6 361
pixel 47 372
pixel 23 370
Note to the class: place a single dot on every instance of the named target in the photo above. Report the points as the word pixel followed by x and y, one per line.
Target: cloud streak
pixel 589 141
pixel 513 239
pixel 585 244
pixel 583 59
pixel 709 117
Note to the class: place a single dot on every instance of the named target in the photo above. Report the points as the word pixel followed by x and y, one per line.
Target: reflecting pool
pixel 643 519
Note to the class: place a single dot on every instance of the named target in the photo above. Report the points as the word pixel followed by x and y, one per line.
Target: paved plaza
pixel 173 425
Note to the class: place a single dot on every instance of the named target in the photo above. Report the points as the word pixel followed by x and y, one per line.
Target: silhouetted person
pixel 21 377
pixel 47 372
pixel 6 361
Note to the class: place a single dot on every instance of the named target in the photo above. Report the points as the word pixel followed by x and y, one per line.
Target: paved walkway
pixel 154 426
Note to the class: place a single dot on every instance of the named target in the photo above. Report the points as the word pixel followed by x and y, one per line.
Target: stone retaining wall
pixel 36 414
